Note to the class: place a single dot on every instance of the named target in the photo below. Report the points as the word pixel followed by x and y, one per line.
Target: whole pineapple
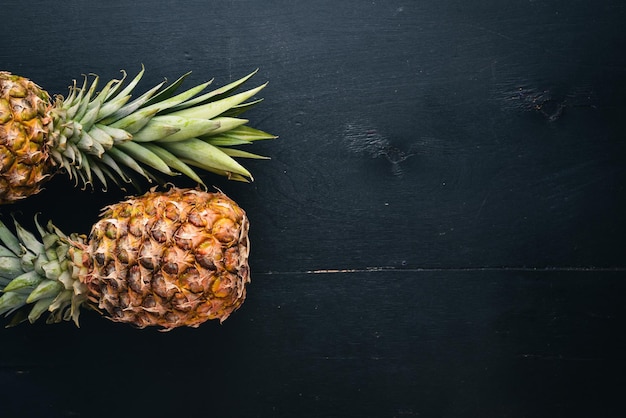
pixel 104 134
pixel 167 259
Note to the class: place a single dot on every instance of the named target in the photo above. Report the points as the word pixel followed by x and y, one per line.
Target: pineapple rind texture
pixel 24 143
pixel 170 259
pixel 166 259
pixel 108 135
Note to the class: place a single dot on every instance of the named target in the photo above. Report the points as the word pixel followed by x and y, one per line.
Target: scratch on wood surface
pixel 388 269
pixel 556 357
pixel 548 102
pixel 329 271
pixel 361 138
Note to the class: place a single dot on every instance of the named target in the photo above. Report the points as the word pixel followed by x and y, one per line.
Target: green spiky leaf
pixel 102 134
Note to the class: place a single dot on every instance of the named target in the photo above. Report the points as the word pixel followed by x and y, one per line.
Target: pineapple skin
pixel 168 259
pixel 24 142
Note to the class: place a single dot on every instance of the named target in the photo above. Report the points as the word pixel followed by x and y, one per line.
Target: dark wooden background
pixel 439 233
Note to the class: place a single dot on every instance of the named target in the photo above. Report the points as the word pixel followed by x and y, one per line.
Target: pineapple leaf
pixel 40 230
pixel 224 141
pixel 29 240
pixel 174 128
pixel 225 125
pixel 238 136
pixel 10 267
pixel 118 86
pixel 154 130
pixel 112 110
pixel 38 309
pixel 88 119
pixel 104 93
pixel 233 152
pixel 118 135
pixel 18 317
pixel 241 108
pixel 62 299
pixel 9 240
pixel 104 134
pixel 169 90
pixel 115 112
pixel 205 156
pixel 121 157
pixel 28 279
pixel 135 121
pixel 179 98
pixel 126 91
pixel 45 289
pixel 85 104
pixel 5 252
pixel 52 269
pixel 85 170
pixel 215 94
pixel 212 109
pixel 104 139
pixel 111 163
pixel 11 301
pixel 171 160
pixel 88 144
pixel 227 174
pixel 74 100
pixel 97 170
pixel 145 156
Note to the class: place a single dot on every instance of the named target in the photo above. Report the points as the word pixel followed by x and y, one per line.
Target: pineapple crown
pixel 100 134
pixel 40 275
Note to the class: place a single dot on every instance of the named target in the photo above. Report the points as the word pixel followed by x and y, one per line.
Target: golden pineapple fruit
pixel 107 136
pixel 167 259
pixel 24 140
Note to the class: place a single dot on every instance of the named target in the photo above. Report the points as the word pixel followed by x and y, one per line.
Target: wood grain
pixel 446 343
pixel 439 233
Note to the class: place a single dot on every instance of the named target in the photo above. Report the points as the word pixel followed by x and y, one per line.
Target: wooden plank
pixel 439 232
pixel 419 135
pixel 371 344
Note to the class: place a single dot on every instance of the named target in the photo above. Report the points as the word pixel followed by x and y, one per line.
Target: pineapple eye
pixel 225 231
pixel 148 263
pixel 122 256
pixel 209 254
pixel 111 230
pixel 149 302
pixel 196 219
pixel 170 268
pixel 134 279
pixel 18 90
pixel 149 255
pixel 171 212
pixel 124 210
pixel 160 287
pixel 190 275
pixel 135 226
pixel 159 231
pixel 5 111
pixel 100 259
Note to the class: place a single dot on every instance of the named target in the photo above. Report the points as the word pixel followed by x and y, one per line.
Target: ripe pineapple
pixel 167 259
pixel 100 135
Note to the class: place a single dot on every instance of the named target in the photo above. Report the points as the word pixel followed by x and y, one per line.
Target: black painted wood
pixel 439 232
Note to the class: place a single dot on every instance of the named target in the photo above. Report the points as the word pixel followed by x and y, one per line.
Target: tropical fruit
pixel 167 259
pixel 108 135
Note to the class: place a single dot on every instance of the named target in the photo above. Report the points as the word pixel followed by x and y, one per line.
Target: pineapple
pixel 105 135
pixel 166 259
